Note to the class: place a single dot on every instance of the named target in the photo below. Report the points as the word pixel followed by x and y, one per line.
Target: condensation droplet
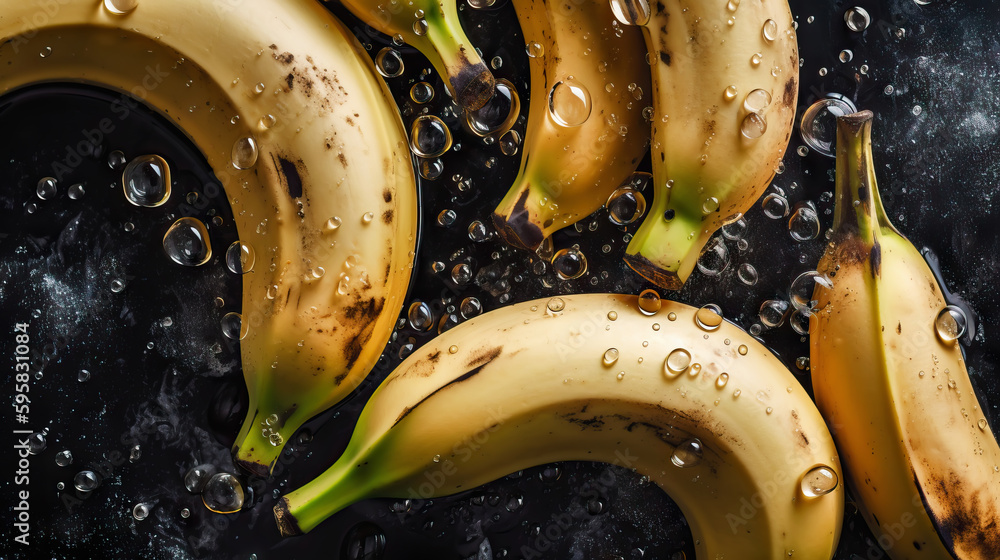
pixel 389 63
pixel 747 274
pixel 772 313
pixel 420 316
pixel 569 264
pixel 46 188
pixel 187 242
pixel 677 362
pixel 245 152
pixel 631 12
pixel 146 181
pixel 429 136
pixel 223 493
pixel 233 327
pixel 498 114
pixel 757 100
pixel 950 324
pixel 240 258
pixel 610 357
pixel 819 481
pixel 422 92
pixel 649 302
pixel 120 7
pixel 86 481
pixel 708 317
pixel 687 454
pixel 722 380
pixel 818 126
pixel 569 103
pixel 625 205
pixel 857 19
pixel 556 305
pixel 754 126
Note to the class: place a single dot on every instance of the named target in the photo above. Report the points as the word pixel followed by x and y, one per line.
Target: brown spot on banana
pixel 464 377
pixel 967 516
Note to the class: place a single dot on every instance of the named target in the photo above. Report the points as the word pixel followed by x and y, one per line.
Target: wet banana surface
pixel 135 388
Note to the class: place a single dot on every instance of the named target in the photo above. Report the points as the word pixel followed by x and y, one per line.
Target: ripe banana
pixel 712 416
pixel 889 377
pixel 725 84
pixel 434 29
pixel 586 131
pixel 289 113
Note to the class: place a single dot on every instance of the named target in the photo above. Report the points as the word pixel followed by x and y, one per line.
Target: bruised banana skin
pixel 528 383
pixel 917 448
pixel 706 172
pixel 568 172
pixel 319 303
pixel 439 36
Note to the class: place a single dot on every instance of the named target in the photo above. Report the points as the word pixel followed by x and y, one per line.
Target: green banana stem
pixel 859 211
pixel 343 484
pixel 452 55
pixel 262 438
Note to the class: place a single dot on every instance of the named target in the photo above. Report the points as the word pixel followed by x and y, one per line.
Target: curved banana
pixel 290 115
pixel 725 84
pixel 710 415
pixel 586 132
pixel 433 28
pixel 917 448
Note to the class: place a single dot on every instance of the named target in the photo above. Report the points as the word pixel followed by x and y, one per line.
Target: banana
pixel 725 84
pixel 434 29
pixel 289 113
pixel 586 131
pixel 890 380
pixel 709 415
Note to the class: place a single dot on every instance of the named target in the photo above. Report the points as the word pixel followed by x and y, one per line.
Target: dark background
pixel 174 387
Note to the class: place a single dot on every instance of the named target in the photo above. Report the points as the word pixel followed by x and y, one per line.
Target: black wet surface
pixel 182 400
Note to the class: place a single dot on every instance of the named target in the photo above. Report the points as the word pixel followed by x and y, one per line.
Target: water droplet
pixel 730 93
pixel 818 126
pixel 754 126
pixel 461 274
pixel 83 376
pixel 453 349
pixel 244 154
pixel 747 274
pixel 116 160
pixel 569 264
pixel 389 63
pixel 64 458
pixel 803 288
pixel 631 12
pixel 857 19
pixel 420 27
pixel 775 206
pixel 612 315
pixel 275 439
pixel 146 181
pixel 982 424
pixel 610 357
pixel 499 113
pixel 722 380
pixel 569 103
pixel 223 493
pixel 140 511
pixel 800 322
pixel 86 481
pixel 120 7
pixel 770 30
pixel 46 188
pixel 687 454
pixel 510 142
pixel 135 453
pixel 420 316
pixel 233 327
pixel 446 218
pixel 708 317
pixel 422 92
pixel 37 443
pixel 534 49
pixel 477 231
pixel 76 191
pixel 819 481
pixel 772 312
pixel 756 59
pixel 735 229
pixel 757 100
pixel 677 362
pixel 846 56
pixel 195 479
pixel 117 285
pixel 431 169
pixel 470 307
pixel 555 305
pixel 743 349
pixel 732 5
pixel 625 205
pixel 714 258
pixel 240 258
pixel 804 224
pixel 187 242
pixel 333 224
pixel 429 136
pixel 649 302
pixel 950 324
pixel 366 541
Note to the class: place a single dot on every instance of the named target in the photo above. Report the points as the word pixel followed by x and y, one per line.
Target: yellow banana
pixel 708 413
pixel 725 84
pixel 289 113
pixel 889 377
pixel 586 131
pixel 434 29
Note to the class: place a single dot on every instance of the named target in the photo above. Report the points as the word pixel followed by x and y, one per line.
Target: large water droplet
pixel 245 152
pixel 420 316
pixel 422 92
pixel 687 454
pixel 461 274
pixel 233 327
pixel 747 274
pixel 757 100
pixel 802 290
pixel 818 126
pixel 857 19
pixel 775 206
pixel 196 478
pixel 140 511
pixel 708 317
pixel 223 493
pixel 804 224
pixel 556 305
pixel 625 205
pixel 677 362
pixel 389 63
pixel 365 541
pixel 187 242
pixel 715 258
pixel 800 321
pixel 429 136
pixel 770 30
pixel 610 357
pixel 64 458
pixel 470 307
pixel 37 443
pixel 649 302
pixel 772 312
pixel 86 481
pixel 950 324
pixel 569 103
pixel 534 49
pixel 819 481
pixel 46 188
pixel 569 264
pixel 499 113
pixel 120 7
pixel 240 258
pixel 722 380
pixel 146 181
pixel 754 126
pixel 631 12
pixel 510 142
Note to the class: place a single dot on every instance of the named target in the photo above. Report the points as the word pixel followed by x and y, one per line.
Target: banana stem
pixel 670 240
pixel 470 81
pixel 261 440
pixel 300 511
pixel 859 208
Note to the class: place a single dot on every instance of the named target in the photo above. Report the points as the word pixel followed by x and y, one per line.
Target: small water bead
pixel 240 258
pixel 46 188
pixel 37 442
pixel 422 92
pixel 916 110
pixel 800 321
pixel 818 126
pixel 888 89
pixel 453 349
pixel 772 312
pixel 722 380
pixel 117 285
pixel 446 218
pixel 275 439
pixel 846 56
pixel 419 27
pixel 569 103
pixel 714 259
pixel 756 59
pixel 610 357
pixel 730 93
pixel 754 126
pixel 64 458
pixel 982 424
pixel 621 375
pixel 775 206
pixel 389 63
pixel 420 316
pixel 857 19
pixel 477 231
pixel 802 362
pixel 747 274
pixel 140 511
pixel 677 362
pixel 770 30
pixel 649 302
pixel 135 453
pixel 534 49
pixel 631 12
pixel 950 324
pixel 195 479
pixel 187 242
pixel 625 205
pixel 555 305
pixel 736 229
pixel 819 481
pixel 498 114
pixel 470 307
pixel 86 481
pixel 496 62
pixel 804 224
pixel 146 181
pixel 569 264
pixel 743 350
pixel 708 317
pixel 245 152
pixel 757 100
pixel 732 5
pixel 687 454
pixel 223 493
pixel 510 142
pixel 116 160
pixel 461 274
pixel 429 136
pixel 803 289
pixel 120 7
pixel 233 327
pixel 83 376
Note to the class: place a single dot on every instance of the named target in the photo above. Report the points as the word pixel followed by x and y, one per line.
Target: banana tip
pixel 288 526
pixel 255 468
pixel 666 279
pixel 475 86
pixel 518 233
